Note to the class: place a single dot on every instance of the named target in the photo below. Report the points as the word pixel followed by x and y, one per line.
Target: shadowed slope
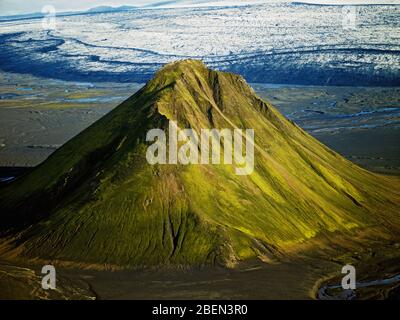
pixel 96 200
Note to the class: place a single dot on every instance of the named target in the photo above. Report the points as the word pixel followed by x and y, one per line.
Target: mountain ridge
pixel 97 201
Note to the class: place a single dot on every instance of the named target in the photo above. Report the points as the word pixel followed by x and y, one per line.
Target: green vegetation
pixel 97 202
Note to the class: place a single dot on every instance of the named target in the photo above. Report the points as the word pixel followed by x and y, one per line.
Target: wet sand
pixel 360 123
pixel 38 115
pixel 250 280
pixel 289 280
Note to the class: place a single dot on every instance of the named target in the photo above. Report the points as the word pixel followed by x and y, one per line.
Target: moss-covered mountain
pixel 97 201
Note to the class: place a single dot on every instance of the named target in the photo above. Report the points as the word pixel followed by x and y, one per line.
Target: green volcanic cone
pixel 97 201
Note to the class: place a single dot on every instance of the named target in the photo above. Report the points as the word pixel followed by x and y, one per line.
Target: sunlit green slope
pixel 97 201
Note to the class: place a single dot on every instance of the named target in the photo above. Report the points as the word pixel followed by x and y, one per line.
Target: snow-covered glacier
pixel 280 42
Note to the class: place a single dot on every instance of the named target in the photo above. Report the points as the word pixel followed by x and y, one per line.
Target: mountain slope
pixel 97 201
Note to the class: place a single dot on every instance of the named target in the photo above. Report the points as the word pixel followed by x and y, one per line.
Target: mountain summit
pixel 97 201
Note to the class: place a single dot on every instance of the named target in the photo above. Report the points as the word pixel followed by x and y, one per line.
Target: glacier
pixel 278 42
